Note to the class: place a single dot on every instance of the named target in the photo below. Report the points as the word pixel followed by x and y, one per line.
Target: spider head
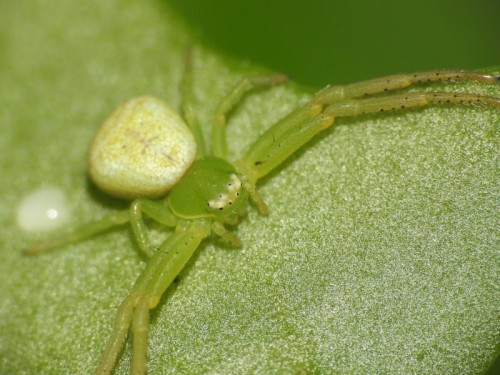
pixel 210 188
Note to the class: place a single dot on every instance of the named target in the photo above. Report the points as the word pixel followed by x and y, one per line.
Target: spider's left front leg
pixel 364 97
pixel 285 137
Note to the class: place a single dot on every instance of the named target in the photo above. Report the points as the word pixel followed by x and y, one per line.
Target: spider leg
pixel 123 319
pixel 157 211
pixel 140 328
pixel 289 134
pixel 153 209
pixel 233 98
pixel 332 94
pixel 355 107
pixel 221 231
pixel 187 105
pixel 159 273
pixel 280 141
pixel 81 233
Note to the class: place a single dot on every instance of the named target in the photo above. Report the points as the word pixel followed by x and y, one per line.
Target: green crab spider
pixel 145 150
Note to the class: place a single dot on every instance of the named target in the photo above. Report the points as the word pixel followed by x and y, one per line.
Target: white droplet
pixel 43 209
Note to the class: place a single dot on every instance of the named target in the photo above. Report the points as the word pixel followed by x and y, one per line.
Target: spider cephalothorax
pixel 210 188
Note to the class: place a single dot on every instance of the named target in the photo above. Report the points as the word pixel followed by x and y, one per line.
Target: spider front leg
pixel 355 107
pixel 292 132
pixel 352 100
pixel 398 81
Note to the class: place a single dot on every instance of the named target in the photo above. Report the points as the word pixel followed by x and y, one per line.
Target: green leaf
pixel 380 253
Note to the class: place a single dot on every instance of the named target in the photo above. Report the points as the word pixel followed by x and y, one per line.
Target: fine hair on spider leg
pixel 205 193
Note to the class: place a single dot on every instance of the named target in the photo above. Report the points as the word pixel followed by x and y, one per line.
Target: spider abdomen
pixel 141 150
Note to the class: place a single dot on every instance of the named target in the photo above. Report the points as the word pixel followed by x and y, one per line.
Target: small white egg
pixel 43 209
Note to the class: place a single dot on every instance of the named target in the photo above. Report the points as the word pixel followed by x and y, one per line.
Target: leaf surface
pixel 380 252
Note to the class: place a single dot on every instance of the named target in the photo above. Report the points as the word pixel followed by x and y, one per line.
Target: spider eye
pixel 227 198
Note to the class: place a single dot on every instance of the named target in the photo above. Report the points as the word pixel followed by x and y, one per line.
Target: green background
pixel 319 42
pixel 380 253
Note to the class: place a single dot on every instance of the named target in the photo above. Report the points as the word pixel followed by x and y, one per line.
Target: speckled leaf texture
pixel 380 253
